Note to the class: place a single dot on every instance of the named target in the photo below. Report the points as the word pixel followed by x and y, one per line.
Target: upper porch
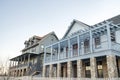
pixel 24 64
pixel 83 44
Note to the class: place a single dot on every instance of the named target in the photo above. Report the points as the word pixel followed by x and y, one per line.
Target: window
pixel 113 36
pixel 97 42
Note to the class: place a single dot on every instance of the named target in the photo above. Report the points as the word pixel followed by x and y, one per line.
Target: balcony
pixel 73 53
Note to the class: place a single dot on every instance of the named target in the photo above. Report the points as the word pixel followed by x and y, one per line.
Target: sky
pixel 21 19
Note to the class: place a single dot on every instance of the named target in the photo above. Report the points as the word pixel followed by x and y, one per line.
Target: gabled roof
pixel 40 39
pixel 70 27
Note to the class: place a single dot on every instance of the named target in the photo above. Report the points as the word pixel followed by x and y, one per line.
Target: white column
pixel 91 46
pixel 28 59
pixel 18 61
pixel 109 37
pixel 51 53
pixel 78 45
pixel 45 55
pixel 58 50
pixel 10 64
pixel 82 47
pixel 21 60
pixel 69 50
pixel 15 62
pixel 24 59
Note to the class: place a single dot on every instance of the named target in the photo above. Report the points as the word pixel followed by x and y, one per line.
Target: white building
pixel 85 51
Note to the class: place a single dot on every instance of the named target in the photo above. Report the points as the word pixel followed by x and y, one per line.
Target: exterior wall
pixel 45 42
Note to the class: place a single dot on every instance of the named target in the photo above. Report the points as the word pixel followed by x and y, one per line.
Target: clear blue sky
pixel 21 19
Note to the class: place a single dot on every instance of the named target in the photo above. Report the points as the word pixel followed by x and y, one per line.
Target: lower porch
pixel 107 66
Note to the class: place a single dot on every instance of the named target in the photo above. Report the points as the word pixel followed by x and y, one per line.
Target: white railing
pixel 47 59
pixel 57 78
pixel 54 58
pixel 116 46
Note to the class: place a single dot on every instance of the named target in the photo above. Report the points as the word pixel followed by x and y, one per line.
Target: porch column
pixel 24 59
pixel 58 70
pixel 69 69
pixel 51 70
pixel 79 69
pixel 13 63
pixel 10 64
pixel 82 48
pixel 18 61
pixel 78 42
pixel 58 50
pixel 44 70
pixel 109 36
pixel 21 60
pixel 91 46
pixel 45 51
pixel 28 59
pixel 28 69
pixel 51 53
pixel 112 66
pixel 69 49
pixel 93 67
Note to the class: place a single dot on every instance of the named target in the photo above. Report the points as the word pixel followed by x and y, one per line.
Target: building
pixel 85 51
pixel 30 62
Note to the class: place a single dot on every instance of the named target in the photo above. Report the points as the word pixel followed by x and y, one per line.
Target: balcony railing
pixel 116 46
pixel 54 57
pixel 48 59
pixel 74 52
pixel 19 65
